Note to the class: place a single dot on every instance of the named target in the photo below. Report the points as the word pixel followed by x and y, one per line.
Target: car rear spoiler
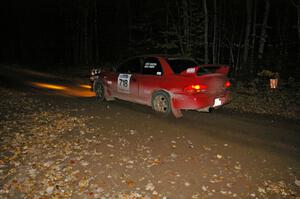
pixel 216 68
pixel 211 68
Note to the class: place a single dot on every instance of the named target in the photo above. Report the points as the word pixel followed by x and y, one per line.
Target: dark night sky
pixel 52 31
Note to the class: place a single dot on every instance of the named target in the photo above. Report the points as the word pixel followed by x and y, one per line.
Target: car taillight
pixel 227 84
pixel 195 88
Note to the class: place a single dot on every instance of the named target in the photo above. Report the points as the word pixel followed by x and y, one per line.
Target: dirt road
pixel 58 141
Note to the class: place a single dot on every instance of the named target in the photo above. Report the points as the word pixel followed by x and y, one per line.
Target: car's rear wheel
pixel 99 90
pixel 161 103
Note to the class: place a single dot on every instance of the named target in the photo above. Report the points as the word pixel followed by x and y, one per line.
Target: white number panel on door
pixel 124 83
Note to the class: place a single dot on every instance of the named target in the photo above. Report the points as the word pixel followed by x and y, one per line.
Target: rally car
pixel 166 83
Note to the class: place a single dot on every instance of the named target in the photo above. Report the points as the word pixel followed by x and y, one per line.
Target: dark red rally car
pixel 167 84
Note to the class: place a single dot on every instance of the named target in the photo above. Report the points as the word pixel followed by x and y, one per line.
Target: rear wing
pixel 206 69
pixel 216 68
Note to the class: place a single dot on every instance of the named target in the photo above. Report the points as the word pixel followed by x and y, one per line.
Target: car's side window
pixel 152 66
pixel 130 66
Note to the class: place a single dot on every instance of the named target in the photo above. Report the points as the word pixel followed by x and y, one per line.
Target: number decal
pixel 124 83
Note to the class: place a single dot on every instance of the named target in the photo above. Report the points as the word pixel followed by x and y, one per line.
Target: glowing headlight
pixel 95 71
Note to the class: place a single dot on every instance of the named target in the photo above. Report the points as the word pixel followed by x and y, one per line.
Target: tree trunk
pixel 166 36
pixel 253 36
pixel 221 22
pixel 247 32
pixel 85 33
pixel 177 28
pixel 96 41
pixel 205 32
pixel 297 6
pixel 215 33
pixel 298 28
pixel 238 65
pixel 81 44
pixel 186 27
pixel 129 24
pixel 263 34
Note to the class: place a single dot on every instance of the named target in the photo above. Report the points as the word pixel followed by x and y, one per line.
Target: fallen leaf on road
pixel 49 190
pixel 150 186
pixel 130 183
pixel 84 182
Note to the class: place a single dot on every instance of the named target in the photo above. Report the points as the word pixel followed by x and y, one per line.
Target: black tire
pixel 99 90
pixel 161 103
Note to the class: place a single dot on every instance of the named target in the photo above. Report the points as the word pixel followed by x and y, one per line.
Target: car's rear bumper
pixel 200 101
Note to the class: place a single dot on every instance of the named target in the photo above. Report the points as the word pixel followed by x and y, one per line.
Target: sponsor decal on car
pixel 150 65
pixel 191 70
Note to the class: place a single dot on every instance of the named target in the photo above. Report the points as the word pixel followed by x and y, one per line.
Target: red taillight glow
pixel 195 88
pixel 227 84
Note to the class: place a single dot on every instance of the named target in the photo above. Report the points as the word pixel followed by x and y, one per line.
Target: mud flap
pixel 176 112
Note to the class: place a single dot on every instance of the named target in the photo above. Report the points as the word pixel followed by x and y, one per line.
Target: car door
pixel 126 85
pixel 152 78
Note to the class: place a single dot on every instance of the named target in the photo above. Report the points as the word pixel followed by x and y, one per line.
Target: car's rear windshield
pixel 180 65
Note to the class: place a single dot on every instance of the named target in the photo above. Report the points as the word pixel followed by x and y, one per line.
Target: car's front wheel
pixel 99 90
pixel 161 103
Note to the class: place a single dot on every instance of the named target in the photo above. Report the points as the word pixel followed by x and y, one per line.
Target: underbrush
pixel 256 96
